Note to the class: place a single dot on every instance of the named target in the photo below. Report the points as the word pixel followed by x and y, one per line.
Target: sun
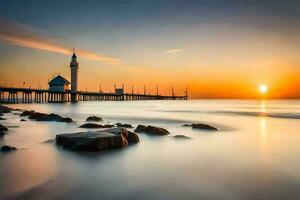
pixel 263 89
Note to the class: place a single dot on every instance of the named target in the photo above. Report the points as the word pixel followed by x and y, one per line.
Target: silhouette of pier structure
pixel 61 90
pixel 31 95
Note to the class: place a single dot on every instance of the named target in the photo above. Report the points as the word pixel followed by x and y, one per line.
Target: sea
pixel 255 154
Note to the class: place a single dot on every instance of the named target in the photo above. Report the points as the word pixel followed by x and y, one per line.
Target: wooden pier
pixel 29 95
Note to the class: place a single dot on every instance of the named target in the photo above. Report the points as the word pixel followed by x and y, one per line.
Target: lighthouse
pixel 74 76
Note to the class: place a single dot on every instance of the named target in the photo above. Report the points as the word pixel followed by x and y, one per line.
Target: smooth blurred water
pixel 255 155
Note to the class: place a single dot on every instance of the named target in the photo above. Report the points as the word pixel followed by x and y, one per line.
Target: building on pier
pixel 59 84
pixel 119 91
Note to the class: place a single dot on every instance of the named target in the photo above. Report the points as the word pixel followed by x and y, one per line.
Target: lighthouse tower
pixel 74 76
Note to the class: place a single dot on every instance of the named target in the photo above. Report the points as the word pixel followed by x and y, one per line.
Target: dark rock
pixel 2 134
pixel 92 125
pixel 204 127
pixel 97 140
pixel 27 113
pixel 140 128
pixel 1 118
pixel 108 126
pixel 151 130
pixel 67 120
pixel 94 118
pixel 124 125
pixel 187 125
pixel 46 117
pixel 5 109
pixel 22 120
pixel 3 128
pixel 182 137
pixel 8 148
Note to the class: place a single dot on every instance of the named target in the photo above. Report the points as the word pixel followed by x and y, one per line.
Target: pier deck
pixel 29 95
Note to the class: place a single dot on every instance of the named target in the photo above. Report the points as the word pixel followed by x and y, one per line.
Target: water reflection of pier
pixel 29 95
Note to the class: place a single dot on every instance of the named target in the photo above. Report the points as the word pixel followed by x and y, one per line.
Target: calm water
pixel 255 155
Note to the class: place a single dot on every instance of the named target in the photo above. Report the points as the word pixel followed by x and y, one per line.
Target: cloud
pixel 173 51
pixel 20 35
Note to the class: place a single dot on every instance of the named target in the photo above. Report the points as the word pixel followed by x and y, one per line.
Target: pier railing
pixel 31 95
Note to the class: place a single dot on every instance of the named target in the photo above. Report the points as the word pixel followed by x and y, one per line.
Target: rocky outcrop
pixel 92 125
pixel 3 128
pixel 97 140
pixel 8 148
pixel 27 113
pixel 140 129
pixel 124 125
pixel 183 137
pixel 5 109
pixel 46 117
pixel 202 126
pixel 94 118
pixel 151 130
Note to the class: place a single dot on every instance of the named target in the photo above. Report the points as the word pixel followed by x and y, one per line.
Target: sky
pixel 215 48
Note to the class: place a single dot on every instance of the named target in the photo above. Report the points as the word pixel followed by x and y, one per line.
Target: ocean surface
pixel 255 155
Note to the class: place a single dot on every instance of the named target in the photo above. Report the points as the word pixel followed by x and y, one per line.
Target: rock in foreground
pixel 8 148
pixel 3 128
pixel 92 125
pixel 151 130
pixel 46 117
pixel 97 140
pixel 94 118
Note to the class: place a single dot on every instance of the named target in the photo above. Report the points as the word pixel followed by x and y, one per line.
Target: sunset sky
pixel 217 48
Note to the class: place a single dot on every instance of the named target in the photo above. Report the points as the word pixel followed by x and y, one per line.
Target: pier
pixel 29 95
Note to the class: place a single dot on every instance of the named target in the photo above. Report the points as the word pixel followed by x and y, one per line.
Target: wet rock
pixel 67 120
pixel 94 118
pixel 92 125
pixel 182 137
pixel 204 127
pixel 151 130
pixel 46 117
pixel 5 109
pixel 8 148
pixel 187 125
pixel 108 126
pixel 124 125
pixel 1 118
pixel 22 120
pixel 3 128
pixel 140 128
pixel 27 113
pixel 97 140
